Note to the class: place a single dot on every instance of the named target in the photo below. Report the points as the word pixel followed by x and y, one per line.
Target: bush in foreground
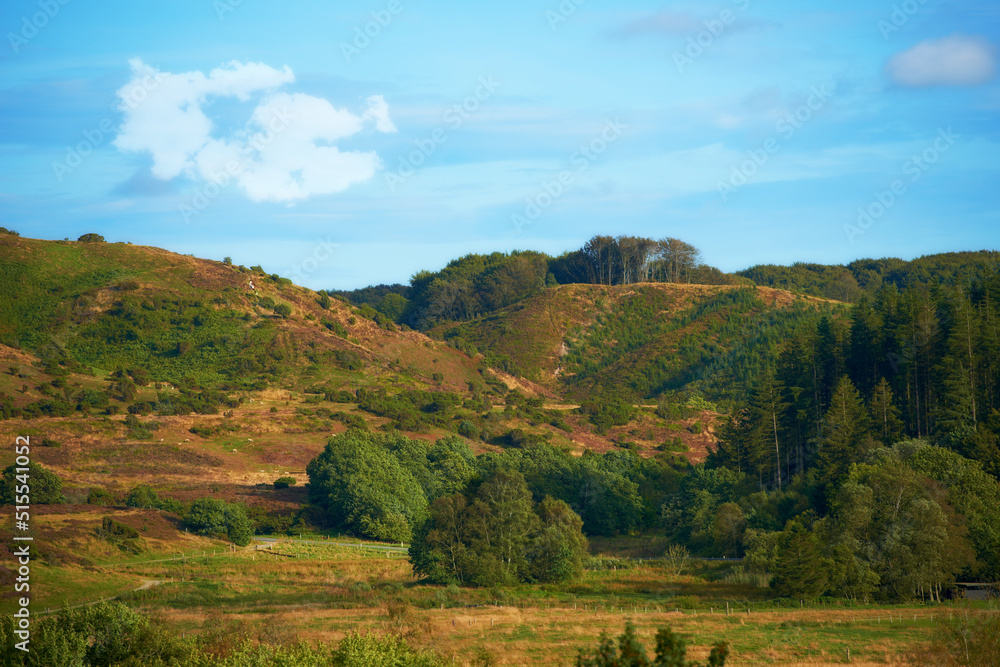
pixel 671 651
pixel 109 634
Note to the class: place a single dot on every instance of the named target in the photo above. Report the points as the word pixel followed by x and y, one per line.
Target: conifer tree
pixel 800 570
pixel 843 433
pixel 886 424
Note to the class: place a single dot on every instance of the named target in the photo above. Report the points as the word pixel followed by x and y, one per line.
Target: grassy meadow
pixel 317 591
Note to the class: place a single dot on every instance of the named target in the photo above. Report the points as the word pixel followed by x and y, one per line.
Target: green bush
pixel 103 497
pixel 91 238
pixel 284 482
pixel 671 651
pixel 216 517
pixel 43 485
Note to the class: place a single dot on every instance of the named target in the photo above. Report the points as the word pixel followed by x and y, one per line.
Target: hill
pixel 99 307
pixel 642 339
pixel 850 281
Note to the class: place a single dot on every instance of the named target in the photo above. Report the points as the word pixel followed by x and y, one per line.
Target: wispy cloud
pixel 958 60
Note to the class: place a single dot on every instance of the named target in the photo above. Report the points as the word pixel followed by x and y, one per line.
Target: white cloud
pixel 958 60
pixel 283 152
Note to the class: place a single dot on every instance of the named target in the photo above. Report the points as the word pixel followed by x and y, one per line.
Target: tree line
pixel 476 284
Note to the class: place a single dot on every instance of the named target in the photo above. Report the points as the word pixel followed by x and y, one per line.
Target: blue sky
pixel 345 146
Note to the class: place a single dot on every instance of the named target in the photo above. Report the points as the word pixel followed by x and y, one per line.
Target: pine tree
pixel 766 415
pixel 963 341
pixel 954 421
pixel 843 433
pixel 886 424
pixel 863 347
pixel 800 570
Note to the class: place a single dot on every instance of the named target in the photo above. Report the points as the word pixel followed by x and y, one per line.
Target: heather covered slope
pixel 641 339
pixel 108 306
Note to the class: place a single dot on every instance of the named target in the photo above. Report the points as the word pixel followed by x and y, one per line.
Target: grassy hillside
pixel 642 339
pixel 109 306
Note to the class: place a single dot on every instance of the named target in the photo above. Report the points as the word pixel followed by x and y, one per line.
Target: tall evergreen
pixel 886 425
pixel 844 431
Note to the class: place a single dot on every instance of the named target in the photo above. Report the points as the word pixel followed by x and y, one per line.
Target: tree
pixel 765 417
pixel 898 525
pixel 239 527
pixel 39 484
pixel 728 528
pixel 955 412
pixel 800 569
pixel 886 424
pixel 207 516
pixel 843 434
pixel 364 489
pixel 214 516
pixel 501 522
pixel 556 551
pixel 495 535
pixel 142 497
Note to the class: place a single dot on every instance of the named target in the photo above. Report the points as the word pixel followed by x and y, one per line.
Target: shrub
pixel 142 497
pixel 102 497
pixel 213 516
pixel 336 327
pixel 91 238
pixel 284 482
pixel 671 649
pixel 126 538
pixel 467 429
pixel 283 310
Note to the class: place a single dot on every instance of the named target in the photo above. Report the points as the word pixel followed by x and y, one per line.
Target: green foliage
pixel 39 484
pixel 556 552
pixel 216 517
pixel 611 411
pixel 142 497
pixel 496 535
pixel 690 514
pixel 111 634
pixel 171 339
pixel 847 283
pixel 102 497
pixel 91 238
pixel 474 285
pixel 124 537
pixel 671 651
pixel 652 341
pixel 364 489
pixel 390 300
pixel 800 570
pixel 283 310
pixel 284 482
